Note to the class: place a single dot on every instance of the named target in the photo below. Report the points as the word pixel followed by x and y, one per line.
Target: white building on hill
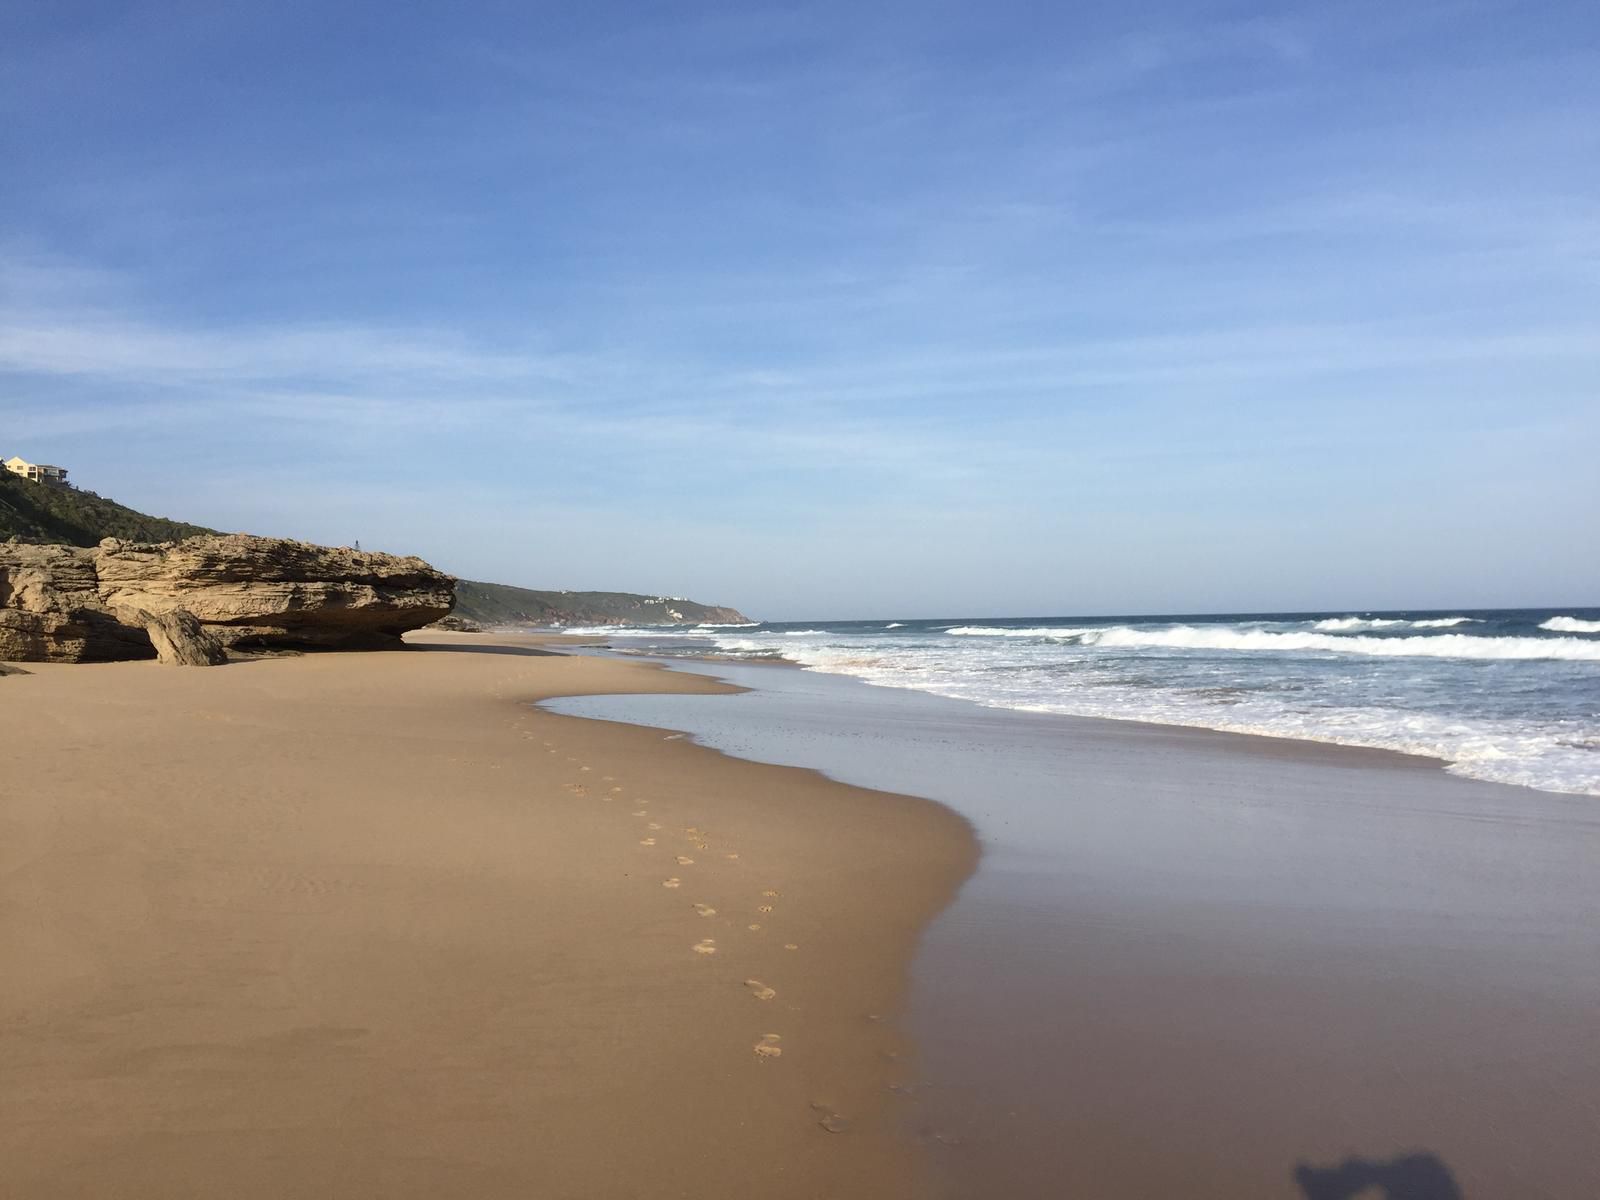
pixel 38 472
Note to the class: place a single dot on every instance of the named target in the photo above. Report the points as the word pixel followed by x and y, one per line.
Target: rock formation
pixel 50 609
pixel 178 637
pixel 455 624
pixel 188 601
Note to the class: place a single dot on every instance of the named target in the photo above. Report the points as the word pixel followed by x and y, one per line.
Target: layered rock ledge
pixel 196 600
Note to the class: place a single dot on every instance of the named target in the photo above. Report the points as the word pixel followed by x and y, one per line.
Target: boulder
pixel 190 600
pixel 178 637
pixel 455 624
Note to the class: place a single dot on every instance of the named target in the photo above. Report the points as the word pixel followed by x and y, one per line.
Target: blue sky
pixel 832 309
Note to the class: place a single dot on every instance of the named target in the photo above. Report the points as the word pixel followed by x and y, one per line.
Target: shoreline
pixel 1204 964
pixel 1267 744
pixel 1503 703
pixel 346 922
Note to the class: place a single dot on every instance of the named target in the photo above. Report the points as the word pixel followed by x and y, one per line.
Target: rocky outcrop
pixel 272 592
pixel 50 609
pixel 188 601
pixel 455 624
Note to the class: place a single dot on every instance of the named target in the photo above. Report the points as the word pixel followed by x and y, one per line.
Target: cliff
pixel 194 600
pixel 493 604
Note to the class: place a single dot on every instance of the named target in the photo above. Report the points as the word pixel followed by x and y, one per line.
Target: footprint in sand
pixel 616 789
pixel 769 892
pixel 829 1119
pixel 682 860
pixel 671 883
pixel 730 856
pixel 647 841
pixel 705 910
pixel 753 928
pixel 607 778
pixel 768 1046
pixel 585 768
pixel 642 813
pixel 764 908
pixel 652 825
pixel 759 990
pixel 790 946
pixel 705 946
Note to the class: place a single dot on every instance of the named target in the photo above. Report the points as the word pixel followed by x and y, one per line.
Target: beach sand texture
pixel 372 925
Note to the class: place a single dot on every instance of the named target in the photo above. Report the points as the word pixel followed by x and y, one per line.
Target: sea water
pixel 1511 696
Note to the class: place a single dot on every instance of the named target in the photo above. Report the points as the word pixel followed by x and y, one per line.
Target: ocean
pixel 1505 695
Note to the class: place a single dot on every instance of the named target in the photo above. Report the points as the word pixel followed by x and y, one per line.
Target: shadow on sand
pixel 1408 1177
pixel 524 651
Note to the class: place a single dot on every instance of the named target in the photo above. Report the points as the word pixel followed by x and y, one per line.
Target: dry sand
pixel 372 926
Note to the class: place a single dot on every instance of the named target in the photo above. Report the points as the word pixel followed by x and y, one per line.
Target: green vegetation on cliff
pixel 37 512
pixel 41 512
pixel 500 604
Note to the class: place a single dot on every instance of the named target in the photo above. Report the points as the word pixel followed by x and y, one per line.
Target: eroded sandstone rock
pixel 191 599
pixel 178 637
pixel 50 609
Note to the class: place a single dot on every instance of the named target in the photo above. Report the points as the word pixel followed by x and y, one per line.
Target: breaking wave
pixel 1342 624
pixel 1570 625
pixel 1505 696
pixel 1051 632
pixel 1214 637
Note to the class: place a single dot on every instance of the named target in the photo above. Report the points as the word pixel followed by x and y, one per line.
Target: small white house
pixel 38 472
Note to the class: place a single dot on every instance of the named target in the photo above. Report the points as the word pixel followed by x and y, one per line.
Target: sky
pixel 828 310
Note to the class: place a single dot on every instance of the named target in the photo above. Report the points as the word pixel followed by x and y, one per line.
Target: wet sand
pixel 1203 965
pixel 374 926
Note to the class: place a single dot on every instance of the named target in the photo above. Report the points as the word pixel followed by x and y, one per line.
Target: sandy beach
pixel 373 925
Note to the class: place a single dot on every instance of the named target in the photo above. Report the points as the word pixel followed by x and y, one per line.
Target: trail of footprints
pixel 768 1046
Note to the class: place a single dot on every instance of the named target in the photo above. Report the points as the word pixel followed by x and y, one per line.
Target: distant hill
pixel 42 512
pixel 500 604
pixel 39 512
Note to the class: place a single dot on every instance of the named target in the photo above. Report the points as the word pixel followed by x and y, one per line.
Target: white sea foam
pixel 1347 624
pixel 1415 687
pixel 1524 752
pixel 895 625
pixel 1443 645
pixel 1056 632
pixel 1571 625
pixel 1340 624
pixel 1233 637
